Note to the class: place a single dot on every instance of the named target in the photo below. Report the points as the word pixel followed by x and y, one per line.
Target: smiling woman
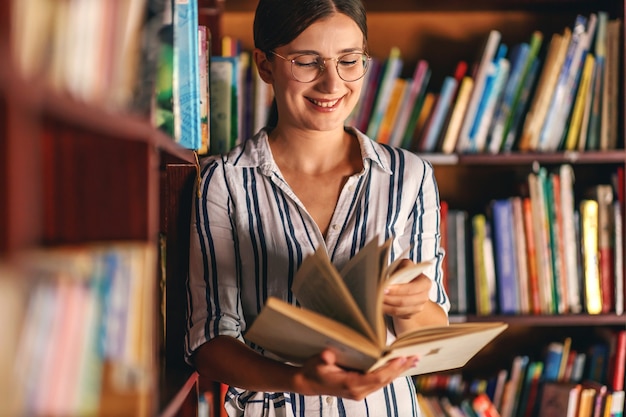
pixel 308 183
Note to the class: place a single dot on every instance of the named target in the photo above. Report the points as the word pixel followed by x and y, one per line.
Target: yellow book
pixel 545 87
pixel 591 272
pixel 458 112
pixel 573 134
pixel 388 123
pixel 427 109
pixel 342 310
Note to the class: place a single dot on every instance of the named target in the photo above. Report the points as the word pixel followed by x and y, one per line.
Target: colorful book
pixel 187 113
pixel 438 116
pixel 505 256
pixel 480 77
pixel 412 99
pixel 224 107
pixel 388 123
pixel 538 110
pixel 451 134
pixel 589 236
pixel 582 98
pixel 393 68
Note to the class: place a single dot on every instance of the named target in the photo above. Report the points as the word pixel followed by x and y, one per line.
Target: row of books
pixel 531 96
pixel 96 51
pixel 543 252
pixel 86 326
pixel 562 382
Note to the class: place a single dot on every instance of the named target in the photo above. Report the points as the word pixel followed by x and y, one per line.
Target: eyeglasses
pixel 307 68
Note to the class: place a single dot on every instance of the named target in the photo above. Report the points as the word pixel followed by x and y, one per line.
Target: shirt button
pixel 329 400
pixel 351 188
pixel 335 227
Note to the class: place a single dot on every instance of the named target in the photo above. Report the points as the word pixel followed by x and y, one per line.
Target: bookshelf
pixel 76 174
pixel 422 30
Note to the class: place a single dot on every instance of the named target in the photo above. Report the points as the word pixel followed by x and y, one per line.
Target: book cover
pixel 388 123
pixel 521 90
pixel 484 275
pixel 493 93
pixel 521 255
pixel 610 99
pixel 606 259
pixel 570 249
pixel 362 113
pixel 480 75
pixel 558 111
pixel 545 87
pixel 343 311
pixel 223 77
pixel 441 109
pixel 416 90
pixel 533 273
pixel 451 134
pixel 392 70
pixel 187 130
pixel 505 256
pixel 541 234
pixel 518 58
pixel 589 238
pixel 600 45
pixel 416 135
pixel 582 98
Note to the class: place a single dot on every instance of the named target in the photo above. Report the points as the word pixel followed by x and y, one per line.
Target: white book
pixel 489 52
pixel 566 174
pixel 619 257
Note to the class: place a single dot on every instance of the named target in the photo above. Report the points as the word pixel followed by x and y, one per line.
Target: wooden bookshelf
pixel 75 173
pixel 422 30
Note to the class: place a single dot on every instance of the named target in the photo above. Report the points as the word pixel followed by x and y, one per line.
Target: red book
pixel 619 361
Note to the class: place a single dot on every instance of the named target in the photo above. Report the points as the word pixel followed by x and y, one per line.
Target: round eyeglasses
pixel 307 68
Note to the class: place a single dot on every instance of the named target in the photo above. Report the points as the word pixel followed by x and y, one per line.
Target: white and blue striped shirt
pixel 250 233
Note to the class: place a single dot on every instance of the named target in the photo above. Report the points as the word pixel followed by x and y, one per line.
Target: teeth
pixel 324 103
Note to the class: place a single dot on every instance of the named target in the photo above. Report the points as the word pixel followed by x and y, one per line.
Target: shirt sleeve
pixel 213 292
pixel 423 230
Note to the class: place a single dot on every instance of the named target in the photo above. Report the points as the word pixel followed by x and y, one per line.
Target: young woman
pixel 305 183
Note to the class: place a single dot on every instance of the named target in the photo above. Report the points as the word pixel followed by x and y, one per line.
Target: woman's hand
pixel 321 375
pixel 410 306
pixel 406 300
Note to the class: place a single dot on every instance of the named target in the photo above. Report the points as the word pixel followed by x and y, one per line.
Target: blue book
pixel 505 256
pixel 517 59
pixel 442 107
pixel 224 106
pixel 187 114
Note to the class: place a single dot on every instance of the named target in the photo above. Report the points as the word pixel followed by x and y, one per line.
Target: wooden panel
pixel 97 187
pixel 177 181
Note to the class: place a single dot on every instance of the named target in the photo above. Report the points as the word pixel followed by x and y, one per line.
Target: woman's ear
pixel 264 66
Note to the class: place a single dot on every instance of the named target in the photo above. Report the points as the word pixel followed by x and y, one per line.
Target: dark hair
pixel 278 22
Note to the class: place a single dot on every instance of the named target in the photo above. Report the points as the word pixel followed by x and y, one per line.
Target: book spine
pixel 589 236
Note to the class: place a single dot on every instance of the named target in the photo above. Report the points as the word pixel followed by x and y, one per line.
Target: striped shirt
pixel 250 232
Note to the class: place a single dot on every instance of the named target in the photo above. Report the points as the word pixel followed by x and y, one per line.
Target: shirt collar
pixel 255 153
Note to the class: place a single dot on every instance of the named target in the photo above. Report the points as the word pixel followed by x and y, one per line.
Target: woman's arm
pixel 228 360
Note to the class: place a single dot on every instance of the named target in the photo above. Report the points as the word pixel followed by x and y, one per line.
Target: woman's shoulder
pixel 389 157
pixel 250 153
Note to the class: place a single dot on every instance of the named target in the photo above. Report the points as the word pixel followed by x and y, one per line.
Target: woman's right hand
pixel 320 375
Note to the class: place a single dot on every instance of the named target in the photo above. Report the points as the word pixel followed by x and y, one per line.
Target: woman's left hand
pixel 404 301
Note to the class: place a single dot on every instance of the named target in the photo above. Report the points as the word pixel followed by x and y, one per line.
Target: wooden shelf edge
pixel 548 320
pixel 617 156
pixel 176 404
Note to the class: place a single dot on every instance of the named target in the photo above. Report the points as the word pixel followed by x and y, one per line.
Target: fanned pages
pixel 343 312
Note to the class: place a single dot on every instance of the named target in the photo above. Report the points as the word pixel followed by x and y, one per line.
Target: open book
pixel 343 311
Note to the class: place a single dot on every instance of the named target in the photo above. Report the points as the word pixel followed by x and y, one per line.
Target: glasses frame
pixel 322 66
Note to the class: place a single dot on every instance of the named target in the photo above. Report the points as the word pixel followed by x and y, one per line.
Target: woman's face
pixel 325 103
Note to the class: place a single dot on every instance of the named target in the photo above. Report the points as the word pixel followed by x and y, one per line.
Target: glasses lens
pixel 306 68
pixel 352 66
